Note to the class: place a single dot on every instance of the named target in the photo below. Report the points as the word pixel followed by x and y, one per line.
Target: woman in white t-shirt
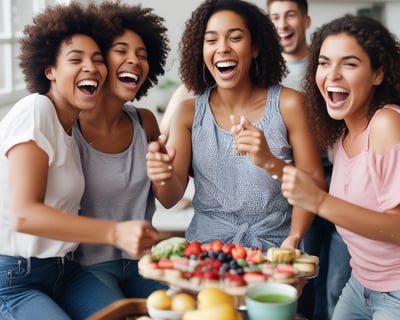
pixel 41 180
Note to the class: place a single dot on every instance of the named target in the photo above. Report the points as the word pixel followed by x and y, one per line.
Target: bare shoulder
pixel 184 112
pixel 291 99
pixel 385 130
pixel 150 124
pixel 291 104
pixel 178 97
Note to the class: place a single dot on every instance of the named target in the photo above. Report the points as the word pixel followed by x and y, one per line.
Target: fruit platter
pixel 230 267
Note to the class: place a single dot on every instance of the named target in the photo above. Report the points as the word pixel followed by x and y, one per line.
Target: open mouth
pixel 226 66
pixel 128 77
pixel 286 36
pixel 337 94
pixel 88 86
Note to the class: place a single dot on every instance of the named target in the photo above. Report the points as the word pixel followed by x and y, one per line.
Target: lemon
pixel 221 311
pixel 159 299
pixel 183 302
pixel 211 296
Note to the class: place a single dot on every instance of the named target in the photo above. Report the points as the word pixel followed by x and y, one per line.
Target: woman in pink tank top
pixel 353 101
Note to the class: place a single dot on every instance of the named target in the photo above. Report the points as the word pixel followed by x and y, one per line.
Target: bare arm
pixel 28 171
pixel 300 189
pixel 179 95
pixel 150 124
pixel 306 157
pixel 168 166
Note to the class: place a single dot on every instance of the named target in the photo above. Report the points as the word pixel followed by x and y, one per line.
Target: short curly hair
pixel 43 38
pixel 383 50
pixel 149 26
pixel 269 67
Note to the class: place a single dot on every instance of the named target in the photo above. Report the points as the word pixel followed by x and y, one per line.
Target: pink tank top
pixel 370 181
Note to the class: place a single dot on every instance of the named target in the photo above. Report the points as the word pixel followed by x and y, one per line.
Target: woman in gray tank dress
pixel 232 61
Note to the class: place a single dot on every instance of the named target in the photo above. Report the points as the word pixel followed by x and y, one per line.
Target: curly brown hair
pixel 43 38
pixel 383 50
pixel 270 66
pixel 149 26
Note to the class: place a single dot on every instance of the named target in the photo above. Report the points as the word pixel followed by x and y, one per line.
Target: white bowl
pixel 165 314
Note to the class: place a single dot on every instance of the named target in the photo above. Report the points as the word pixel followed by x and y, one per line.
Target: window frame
pixel 14 88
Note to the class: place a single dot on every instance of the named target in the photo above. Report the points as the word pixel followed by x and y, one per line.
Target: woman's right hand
pixel 159 161
pixel 136 237
pixel 300 189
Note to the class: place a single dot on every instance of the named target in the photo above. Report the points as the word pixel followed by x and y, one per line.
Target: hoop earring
pixel 204 75
pixel 256 66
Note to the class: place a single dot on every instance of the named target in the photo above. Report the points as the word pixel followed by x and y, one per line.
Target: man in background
pixel 320 295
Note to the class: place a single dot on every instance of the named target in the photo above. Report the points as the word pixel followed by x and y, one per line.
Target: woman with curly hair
pixel 231 59
pixel 353 98
pixel 41 177
pixel 113 138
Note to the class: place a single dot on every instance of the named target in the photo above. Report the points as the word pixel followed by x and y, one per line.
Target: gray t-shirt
pixel 116 187
pixel 296 73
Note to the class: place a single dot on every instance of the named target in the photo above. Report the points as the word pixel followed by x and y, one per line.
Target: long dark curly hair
pixel 43 38
pixel 148 25
pixel 271 65
pixel 383 50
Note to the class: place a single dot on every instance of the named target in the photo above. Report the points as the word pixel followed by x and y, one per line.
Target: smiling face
pixel 227 49
pixel 345 78
pixel 128 66
pixel 291 25
pixel 79 73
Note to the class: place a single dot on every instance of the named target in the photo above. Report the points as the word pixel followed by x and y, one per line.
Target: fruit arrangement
pixel 210 303
pixel 231 267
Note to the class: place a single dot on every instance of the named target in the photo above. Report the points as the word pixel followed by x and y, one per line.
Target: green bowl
pixel 271 301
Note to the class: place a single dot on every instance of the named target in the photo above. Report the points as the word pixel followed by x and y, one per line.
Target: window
pixel 14 15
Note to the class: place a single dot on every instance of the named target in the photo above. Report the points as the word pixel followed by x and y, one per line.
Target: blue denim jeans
pixel 323 240
pixel 357 302
pixel 52 288
pixel 339 271
pixel 123 278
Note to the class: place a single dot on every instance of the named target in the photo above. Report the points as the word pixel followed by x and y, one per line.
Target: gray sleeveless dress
pixel 234 200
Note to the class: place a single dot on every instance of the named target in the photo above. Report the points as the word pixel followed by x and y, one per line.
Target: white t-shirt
pixel 34 118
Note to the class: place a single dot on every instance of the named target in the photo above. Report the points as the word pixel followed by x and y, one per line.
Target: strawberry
pixel 216 245
pixel 165 263
pixel 284 271
pixel 255 256
pixel 235 280
pixel 227 248
pixel 193 248
pixel 253 277
pixel 211 275
pixel 239 252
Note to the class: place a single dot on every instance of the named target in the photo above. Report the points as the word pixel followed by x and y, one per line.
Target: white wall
pixel 176 12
